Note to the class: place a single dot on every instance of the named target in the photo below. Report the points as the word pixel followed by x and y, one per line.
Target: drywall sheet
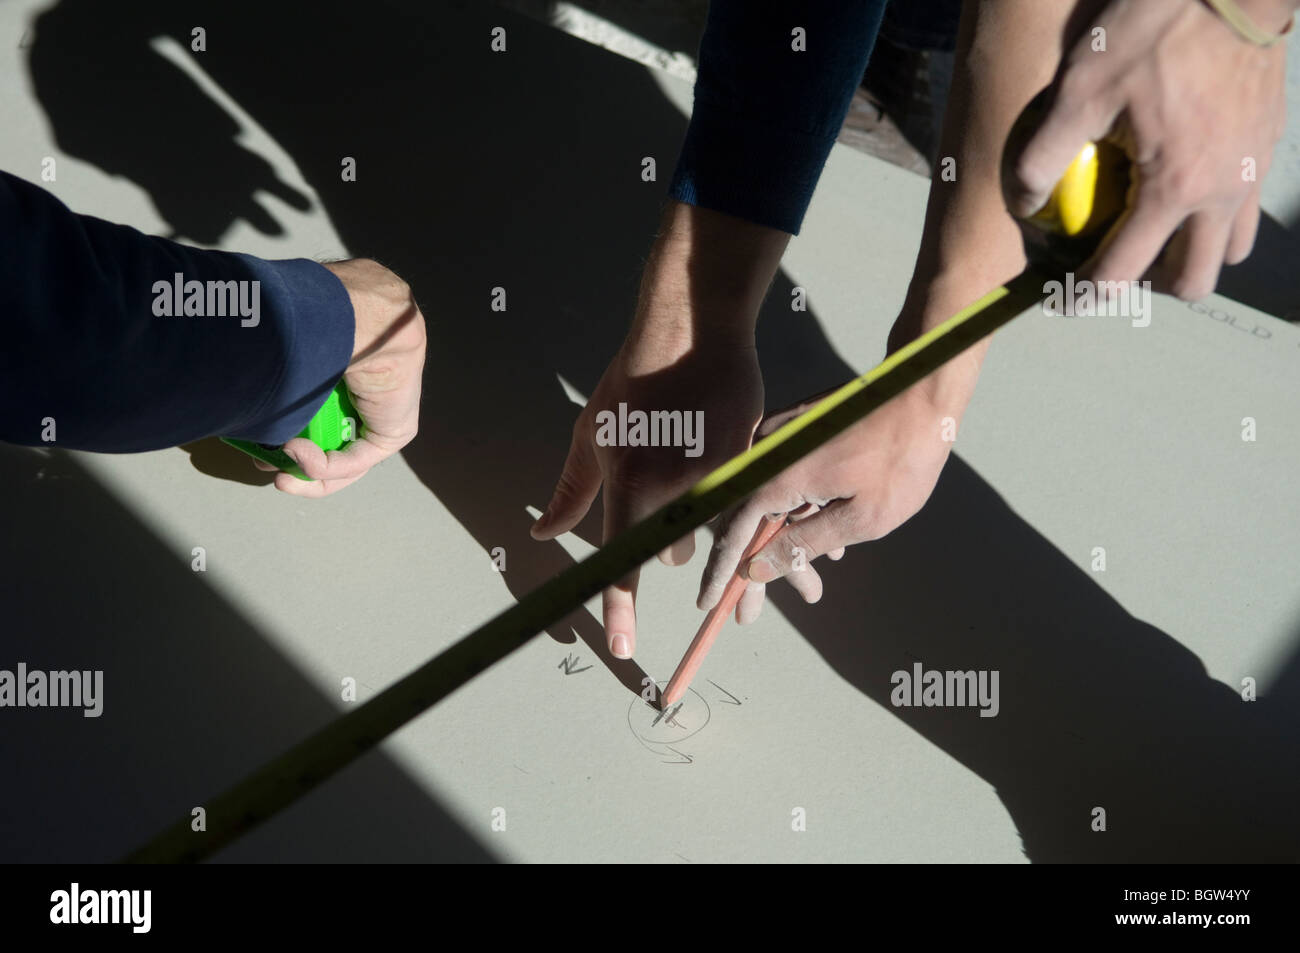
pixel 1118 689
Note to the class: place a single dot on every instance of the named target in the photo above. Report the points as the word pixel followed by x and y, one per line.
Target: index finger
pixel 734 534
pixel 618 602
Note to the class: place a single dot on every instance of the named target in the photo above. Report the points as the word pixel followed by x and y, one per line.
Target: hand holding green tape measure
pixel 333 427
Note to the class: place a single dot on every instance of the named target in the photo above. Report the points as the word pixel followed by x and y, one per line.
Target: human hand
pixel 718 388
pixel 383 378
pixel 858 487
pixel 690 349
pixel 1199 111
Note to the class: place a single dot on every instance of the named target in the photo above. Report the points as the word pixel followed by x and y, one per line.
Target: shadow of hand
pixel 92 69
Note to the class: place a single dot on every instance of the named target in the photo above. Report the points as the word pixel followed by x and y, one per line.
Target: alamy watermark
pixel 129 907
pixel 656 428
pixel 208 299
pixel 38 689
pixel 1074 298
pixel 945 689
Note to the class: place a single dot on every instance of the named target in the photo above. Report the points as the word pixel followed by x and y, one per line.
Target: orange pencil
pixel 717 617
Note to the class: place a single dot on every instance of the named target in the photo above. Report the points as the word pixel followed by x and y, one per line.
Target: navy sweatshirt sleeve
pixel 766 114
pixel 128 342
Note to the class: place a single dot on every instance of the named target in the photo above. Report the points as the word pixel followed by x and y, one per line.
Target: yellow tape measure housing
pixel 1090 195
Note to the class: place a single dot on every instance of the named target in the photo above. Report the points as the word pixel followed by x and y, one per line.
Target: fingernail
pixel 620 646
pixel 762 569
pixel 541 522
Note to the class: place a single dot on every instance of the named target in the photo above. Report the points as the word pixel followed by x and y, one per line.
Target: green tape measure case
pixel 335 425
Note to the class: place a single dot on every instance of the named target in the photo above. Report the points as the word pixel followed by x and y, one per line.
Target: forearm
pixel 1008 50
pixel 704 282
pixel 775 81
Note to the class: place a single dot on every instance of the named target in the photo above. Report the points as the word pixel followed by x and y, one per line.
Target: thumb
pixel 579 483
pixel 796 546
pixel 1037 155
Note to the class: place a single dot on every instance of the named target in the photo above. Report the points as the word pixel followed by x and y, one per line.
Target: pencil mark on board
pixel 668 716
pixel 664 730
pixel 734 699
pixel 568 665
pixel 689 759
pixel 659 730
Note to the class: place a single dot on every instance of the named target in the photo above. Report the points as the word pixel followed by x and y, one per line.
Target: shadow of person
pixel 151 122
pixel 1097 709
pixel 193 697
pixel 526 175
pixel 521 170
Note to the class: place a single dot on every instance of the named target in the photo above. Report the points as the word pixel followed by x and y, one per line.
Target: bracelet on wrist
pixel 1244 26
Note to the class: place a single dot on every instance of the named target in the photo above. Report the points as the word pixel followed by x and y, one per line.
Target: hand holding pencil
pixel 717 616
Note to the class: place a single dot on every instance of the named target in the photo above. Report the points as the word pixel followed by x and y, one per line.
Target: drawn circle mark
pixel 683 720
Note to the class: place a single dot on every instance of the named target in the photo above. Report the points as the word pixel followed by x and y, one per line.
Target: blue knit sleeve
pixel 118 341
pixel 775 81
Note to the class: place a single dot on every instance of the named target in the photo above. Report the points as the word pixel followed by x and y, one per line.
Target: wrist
pixel 706 278
pixel 947 391
pixel 672 308
pixel 385 316
pixel 930 303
